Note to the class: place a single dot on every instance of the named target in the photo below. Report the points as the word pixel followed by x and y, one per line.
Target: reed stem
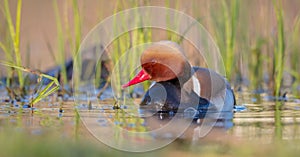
pixel 14 31
pixel 279 50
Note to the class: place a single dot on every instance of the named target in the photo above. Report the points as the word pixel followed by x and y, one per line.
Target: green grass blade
pixel 17 43
pixel 9 20
pixel 77 33
pixel 61 42
pixel 294 56
pixel 46 90
pixel 230 19
pixel 77 25
pixel 4 48
pixel 30 71
pixel 279 52
pixel 15 36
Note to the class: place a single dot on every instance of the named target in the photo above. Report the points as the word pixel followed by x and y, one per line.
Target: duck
pixel 178 84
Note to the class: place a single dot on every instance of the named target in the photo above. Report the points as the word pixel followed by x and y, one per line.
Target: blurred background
pixel 247 32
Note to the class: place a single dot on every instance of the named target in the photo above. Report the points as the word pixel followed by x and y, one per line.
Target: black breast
pixel 166 96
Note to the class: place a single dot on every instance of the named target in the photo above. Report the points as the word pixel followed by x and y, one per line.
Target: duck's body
pixel 178 84
pixel 175 94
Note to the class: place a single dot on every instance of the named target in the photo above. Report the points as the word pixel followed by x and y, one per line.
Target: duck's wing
pixel 211 84
pixel 215 88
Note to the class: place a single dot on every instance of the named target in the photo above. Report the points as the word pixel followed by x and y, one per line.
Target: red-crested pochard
pixel 178 83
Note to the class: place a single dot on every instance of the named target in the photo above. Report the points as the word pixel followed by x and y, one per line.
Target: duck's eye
pixel 148 67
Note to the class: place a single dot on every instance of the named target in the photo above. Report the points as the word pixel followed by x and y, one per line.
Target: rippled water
pixel 254 118
pixel 261 121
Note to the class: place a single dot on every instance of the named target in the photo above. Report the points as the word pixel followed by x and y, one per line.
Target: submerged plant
pixel 278 121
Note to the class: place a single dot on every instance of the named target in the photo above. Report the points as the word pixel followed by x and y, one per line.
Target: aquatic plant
pixel 279 49
pixel 256 64
pixel 61 55
pixel 226 28
pixel 278 121
pixel 76 43
pixel 12 53
pixel 127 41
pixel 230 33
pixel 170 34
pixel 66 37
pixel 41 92
pixel 294 56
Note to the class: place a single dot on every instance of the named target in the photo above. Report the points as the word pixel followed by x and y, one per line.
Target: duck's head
pixel 162 61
